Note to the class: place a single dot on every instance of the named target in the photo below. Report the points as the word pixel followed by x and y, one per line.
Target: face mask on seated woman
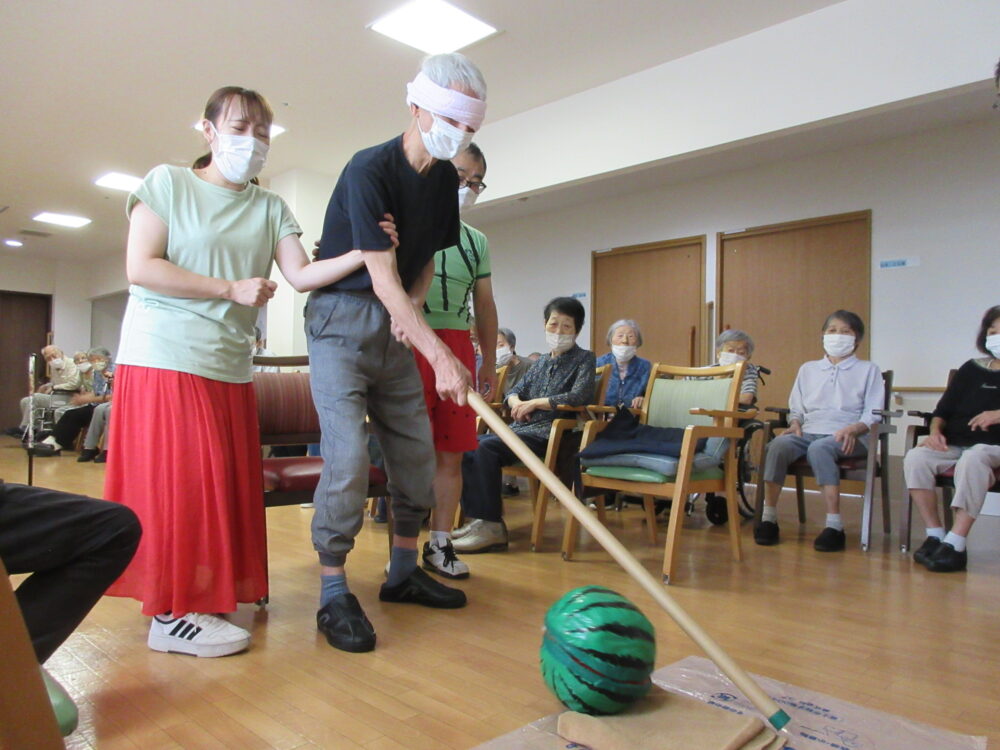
pixel 503 355
pixel 623 352
pixel 730 358
pixel 838 344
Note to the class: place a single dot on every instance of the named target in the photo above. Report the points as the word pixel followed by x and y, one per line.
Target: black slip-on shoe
pixel 344 624
pixel 44 450
pixel 766 534
pixel 87 454
pixel 926 549
pixel 947 559
pixel 420 588
pixel 830 540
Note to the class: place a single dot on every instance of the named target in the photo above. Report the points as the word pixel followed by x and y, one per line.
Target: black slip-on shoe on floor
pixel 420 588
pixel 345 625
pixel 766 534
pixel 830 540
pixel 947 559
pixel 923 553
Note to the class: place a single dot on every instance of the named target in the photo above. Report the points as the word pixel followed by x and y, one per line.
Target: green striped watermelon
pixel 598 650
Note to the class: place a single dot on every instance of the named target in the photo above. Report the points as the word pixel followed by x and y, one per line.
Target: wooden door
pixel 779 282
pixel 25 320
pixel 660 285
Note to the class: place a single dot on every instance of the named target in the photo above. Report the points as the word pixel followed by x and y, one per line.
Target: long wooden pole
pixel 775 715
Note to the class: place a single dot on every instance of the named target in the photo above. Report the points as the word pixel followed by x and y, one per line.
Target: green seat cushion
pixel 63 706
pixel 632 474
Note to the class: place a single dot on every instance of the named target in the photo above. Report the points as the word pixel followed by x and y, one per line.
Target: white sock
pixel 52 441
pixel 440 539
pixel 833 521
pixel 956 541
pixel 770 513
pixel 937 532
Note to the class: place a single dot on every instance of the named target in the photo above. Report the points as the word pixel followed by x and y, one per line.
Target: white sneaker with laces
pixel 484 536
pixel 197 635
pixel 443 561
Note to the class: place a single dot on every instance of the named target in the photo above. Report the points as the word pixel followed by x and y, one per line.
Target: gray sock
pixel 402 562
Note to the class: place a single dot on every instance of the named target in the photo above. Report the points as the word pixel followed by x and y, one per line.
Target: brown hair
pixel 255 106
pixel 988 318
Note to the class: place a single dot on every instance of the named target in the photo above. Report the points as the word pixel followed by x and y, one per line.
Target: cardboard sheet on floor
pixel 819 722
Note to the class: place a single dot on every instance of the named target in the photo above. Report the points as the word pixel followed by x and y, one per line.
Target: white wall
pixel 932 195
pixel 845 58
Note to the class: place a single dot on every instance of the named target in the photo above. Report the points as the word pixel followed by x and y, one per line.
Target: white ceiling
pixel 106 85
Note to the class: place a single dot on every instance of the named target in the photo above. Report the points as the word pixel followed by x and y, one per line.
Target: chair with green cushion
pixel 703 401
pixel 67 715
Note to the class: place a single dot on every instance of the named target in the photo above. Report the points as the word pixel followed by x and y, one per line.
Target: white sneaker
pixel 443 561
pixel 464 528
pixel 197 635
pixel 484 536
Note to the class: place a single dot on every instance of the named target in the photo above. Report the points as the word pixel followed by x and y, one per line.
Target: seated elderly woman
pixel 830 414
pixel 964 434
pixel 563 376
pixel 629 372
pixel 79 413
pixel 506 355
pixel 734 346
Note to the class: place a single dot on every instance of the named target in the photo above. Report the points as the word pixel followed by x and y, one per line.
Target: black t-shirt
pixel 973 390
pixel 377 181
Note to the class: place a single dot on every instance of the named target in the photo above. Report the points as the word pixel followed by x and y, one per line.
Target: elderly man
pixel 65 381
pixel 83 407
pixel 358 330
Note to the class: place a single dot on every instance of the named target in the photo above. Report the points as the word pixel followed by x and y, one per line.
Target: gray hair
pixel 99 351
pixel 454 69
pixel 509 335
pixel 735 334
pixel 625 322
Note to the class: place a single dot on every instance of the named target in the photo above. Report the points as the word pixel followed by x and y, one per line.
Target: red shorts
pixel 454 426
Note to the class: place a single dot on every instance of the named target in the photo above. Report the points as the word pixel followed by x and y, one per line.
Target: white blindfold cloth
pixel 446 102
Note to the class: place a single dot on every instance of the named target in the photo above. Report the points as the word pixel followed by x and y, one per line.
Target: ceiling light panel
pixel 118 181
pixel 432 26
pixel 63 220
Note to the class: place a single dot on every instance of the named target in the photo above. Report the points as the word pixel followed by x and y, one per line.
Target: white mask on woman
pixel 993 344
pixel 466 197
pixel 559 342
pixel 84 366
pixel 56 364
pixel 503 355
pixel 623 353
pixel 239 158
pixel 730 358
pixel 444 140
pixel 838 344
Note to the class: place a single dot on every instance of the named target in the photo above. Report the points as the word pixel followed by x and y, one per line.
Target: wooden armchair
pixel 706 407
pixel 865 468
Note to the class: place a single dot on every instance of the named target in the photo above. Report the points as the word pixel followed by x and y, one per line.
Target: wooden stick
pixel 775 715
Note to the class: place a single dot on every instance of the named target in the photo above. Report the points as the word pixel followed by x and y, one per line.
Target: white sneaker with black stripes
pixel 198 635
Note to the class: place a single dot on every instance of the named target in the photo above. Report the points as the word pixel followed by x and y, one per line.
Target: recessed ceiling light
pixel 13 243
pixel 276 130
pixel 118 181
pixel 432 26
pixel 63 220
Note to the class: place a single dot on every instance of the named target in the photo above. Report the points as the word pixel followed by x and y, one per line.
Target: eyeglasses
pixel 474 185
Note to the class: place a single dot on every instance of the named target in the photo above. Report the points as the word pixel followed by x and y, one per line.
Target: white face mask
pixel 444 140
pixel 239 158
pixel 100 366
pixel 838 344
pixel 559 342
pixel 84 366
pixel 730 358
pixel 56 364
pixel 466 198
pixel 993 344
pixel 623 352
pixel 503 355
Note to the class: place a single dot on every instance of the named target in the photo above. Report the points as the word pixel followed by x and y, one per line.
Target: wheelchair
pixel 715 505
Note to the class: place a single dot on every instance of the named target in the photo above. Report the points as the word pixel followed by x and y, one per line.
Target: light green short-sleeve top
pixel 456 270
pixel 212 231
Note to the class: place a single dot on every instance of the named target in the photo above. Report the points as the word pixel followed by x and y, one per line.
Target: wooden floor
pixel 867 627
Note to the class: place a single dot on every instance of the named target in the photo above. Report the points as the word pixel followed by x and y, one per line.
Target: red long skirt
pixel 184 454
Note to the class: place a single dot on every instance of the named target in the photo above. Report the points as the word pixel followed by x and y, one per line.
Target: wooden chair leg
pixel 570 533
pixel 673 533
pixel 800 496
pixel 538 521
pixel 735 541
pixel 906 517
pixel 886 517
pixel 649 506
pixel 459 517
pixel 602 511
pixel 946 494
